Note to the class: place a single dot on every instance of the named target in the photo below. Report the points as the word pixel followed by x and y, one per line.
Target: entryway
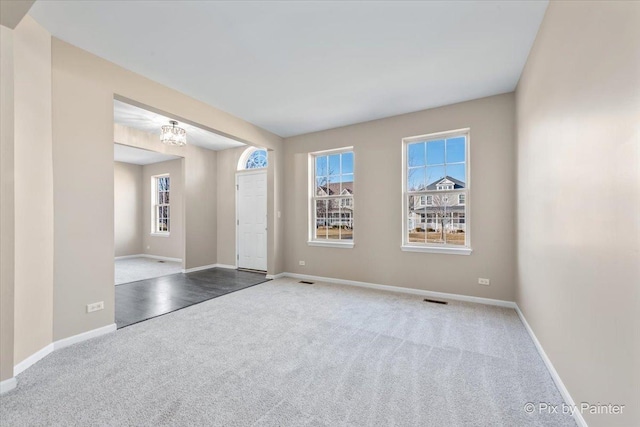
pixel 251 187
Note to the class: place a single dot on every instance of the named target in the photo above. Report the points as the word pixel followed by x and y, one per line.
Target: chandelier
pixel 173 135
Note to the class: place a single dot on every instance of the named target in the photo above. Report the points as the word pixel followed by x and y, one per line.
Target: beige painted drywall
pixel 578 116
pixel 377 257
pixel 7 203
pixel 198 196
pixel 127 208
pixel 83 90
pixel 171 245
pixel 33 304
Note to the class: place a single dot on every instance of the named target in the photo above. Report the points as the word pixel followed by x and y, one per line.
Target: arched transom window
pixel 253 158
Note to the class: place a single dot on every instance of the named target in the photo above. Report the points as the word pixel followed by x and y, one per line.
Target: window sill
pixel 160 234
pixel 343 245
pixel 437 250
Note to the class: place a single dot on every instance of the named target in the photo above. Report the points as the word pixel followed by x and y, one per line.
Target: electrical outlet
pixel 302 263
pixel 95 306
pixel 485 282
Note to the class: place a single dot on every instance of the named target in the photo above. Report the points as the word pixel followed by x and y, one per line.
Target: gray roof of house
pixel 334 188
pixel 456 183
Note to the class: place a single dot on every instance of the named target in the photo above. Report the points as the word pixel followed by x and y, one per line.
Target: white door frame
pixel 250 172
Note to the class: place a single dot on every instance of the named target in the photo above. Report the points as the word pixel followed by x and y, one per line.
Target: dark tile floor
pixel 142 300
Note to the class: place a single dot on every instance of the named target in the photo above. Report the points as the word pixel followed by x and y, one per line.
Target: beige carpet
pixel 287 354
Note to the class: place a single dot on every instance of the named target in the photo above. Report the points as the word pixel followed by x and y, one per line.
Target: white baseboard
pixel 158 257
pixel 128 256
pixel 577 416
pixel 8 385
pixel 66 342
pixel 275 276
pixel 57 345
pixel 207 267
pixel 432 294
pixel 34 358
pixel 227 266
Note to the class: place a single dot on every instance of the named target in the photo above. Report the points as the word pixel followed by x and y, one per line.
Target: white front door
pixel 252 220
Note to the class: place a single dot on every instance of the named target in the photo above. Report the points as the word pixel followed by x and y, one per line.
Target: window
pixel 253 158
pixel 161 218
pixel 331 209
pixel 435 193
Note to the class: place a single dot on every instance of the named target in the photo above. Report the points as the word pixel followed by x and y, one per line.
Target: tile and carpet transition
pixel 289 354
pixel 145 299
pixel 140 268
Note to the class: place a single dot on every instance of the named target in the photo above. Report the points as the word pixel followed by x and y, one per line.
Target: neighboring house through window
pixel 161 216
pixel 436 188
pixel 331 210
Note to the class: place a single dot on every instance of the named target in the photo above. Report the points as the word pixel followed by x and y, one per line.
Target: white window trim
pixel 154 203
pixel 311 178
pixel 407 246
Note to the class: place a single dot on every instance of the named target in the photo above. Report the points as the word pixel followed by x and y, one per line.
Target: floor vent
pixel 161 262
pixel 435 301
pixel 305 282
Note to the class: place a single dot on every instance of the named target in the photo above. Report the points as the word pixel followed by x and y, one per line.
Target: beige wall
pixel 33 190
pixel 171 246
pixel 128 196
pixel 578 104
pixel 377 257
pixel 7 203
pixel 199 174
pixel 83 90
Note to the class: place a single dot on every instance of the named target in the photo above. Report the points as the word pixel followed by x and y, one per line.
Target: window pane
pixel 347 230
pixel 434 175
pixel 416 154
pixel 321 219
pixel 435 152
pixel 166 197
pixel 347 184
pixel 415 219
pixel 257 159
pixel 321 186
pixel 457 172
pixel 167 183
pixel 445 220
pixel 334 164
pixel 347 163
pixel 416 179
pixel 321 166
pixel 455 149
pixel 335 221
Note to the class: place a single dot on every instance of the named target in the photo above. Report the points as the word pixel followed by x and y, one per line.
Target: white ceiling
pixel 296 67
pixel 148 121
pixel 138 156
